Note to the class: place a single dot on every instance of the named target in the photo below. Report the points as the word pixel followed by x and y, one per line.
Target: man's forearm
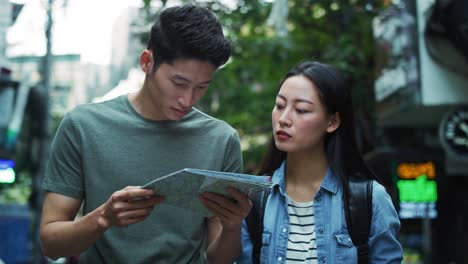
pixel 68 238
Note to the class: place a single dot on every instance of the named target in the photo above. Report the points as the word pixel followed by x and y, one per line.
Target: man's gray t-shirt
pixel 102 148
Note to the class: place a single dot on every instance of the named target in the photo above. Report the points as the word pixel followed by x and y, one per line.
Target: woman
pixel 311 157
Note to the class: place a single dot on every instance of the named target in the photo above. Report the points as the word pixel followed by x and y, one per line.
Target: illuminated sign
pixel 417 189
pixel 408 170
pixel 7 172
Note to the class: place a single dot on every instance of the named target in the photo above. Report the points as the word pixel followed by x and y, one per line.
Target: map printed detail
pixel 182 188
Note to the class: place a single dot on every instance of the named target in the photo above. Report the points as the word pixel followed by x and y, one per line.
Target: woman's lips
pixel 282 135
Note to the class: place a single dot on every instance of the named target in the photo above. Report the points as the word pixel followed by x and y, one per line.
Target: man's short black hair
pixel 188 32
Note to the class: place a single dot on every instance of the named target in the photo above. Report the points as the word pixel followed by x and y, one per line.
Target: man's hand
pixel 230 213
pixel 128 206
pixel 61 235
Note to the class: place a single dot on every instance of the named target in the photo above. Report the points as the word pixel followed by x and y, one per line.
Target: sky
pixel 83 27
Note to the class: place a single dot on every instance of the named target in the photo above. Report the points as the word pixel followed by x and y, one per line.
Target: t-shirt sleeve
pixel 64 173
pixel 233 154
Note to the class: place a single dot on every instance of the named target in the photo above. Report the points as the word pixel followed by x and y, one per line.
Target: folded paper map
pixel 182 188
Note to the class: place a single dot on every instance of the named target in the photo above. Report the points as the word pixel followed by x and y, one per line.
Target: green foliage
pixel 337 32
pixel 17 193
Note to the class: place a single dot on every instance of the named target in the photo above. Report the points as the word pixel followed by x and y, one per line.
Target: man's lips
pixel 180 111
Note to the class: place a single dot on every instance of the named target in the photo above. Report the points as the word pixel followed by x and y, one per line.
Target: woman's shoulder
pixel 382 204
pixel 379 192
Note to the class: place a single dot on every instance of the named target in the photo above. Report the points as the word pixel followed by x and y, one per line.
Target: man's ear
pixel 146 61
pixel 334 122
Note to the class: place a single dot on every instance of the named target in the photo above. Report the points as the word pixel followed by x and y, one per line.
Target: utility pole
pixel 44 138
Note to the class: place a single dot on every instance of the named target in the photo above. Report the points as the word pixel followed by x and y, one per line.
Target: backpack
pixel 358 214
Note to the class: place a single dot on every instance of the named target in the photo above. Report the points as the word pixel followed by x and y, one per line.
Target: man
pixel 101 150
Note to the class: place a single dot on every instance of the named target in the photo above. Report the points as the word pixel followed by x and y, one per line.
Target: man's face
pixel 175 88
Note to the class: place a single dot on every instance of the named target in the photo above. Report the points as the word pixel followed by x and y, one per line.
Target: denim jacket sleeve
pixel 383 241
pixel 247 247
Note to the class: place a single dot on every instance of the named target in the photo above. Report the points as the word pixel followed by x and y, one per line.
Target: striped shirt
pixel 301 242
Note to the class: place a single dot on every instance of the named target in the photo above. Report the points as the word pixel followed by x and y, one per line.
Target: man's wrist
pixel 102 222
pixel 232 229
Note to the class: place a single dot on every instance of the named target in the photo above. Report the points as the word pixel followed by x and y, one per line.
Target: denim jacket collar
pixel 330 183
pixel 278 179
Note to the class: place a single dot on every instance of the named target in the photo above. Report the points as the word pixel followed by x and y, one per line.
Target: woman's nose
pixel 285 119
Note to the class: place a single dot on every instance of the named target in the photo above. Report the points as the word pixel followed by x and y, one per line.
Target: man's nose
pixel 186 98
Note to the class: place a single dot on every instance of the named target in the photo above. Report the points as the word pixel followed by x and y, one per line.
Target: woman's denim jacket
pixel 333 241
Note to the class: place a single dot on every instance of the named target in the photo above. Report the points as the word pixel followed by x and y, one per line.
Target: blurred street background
pixel 406 62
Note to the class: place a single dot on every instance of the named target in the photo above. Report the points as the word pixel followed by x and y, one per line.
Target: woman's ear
pixel 334 122
pixel 146 61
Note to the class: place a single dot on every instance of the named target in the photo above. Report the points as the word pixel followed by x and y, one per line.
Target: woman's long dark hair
pixel 340 146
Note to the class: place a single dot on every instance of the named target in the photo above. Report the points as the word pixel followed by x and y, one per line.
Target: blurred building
pixel 72 79
pixel 5 22
pixel 134 81
pixel 126 46
pixel 421 93
pixel 90 56
pixel 5 15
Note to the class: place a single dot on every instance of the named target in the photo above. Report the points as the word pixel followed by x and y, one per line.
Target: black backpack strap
pixel 359 215
pixel 254 222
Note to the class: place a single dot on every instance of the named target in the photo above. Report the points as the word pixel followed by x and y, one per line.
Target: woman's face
pixel 300 121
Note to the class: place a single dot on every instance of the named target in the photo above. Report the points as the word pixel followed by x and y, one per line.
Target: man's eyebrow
pixel 299 100
pixel 182 78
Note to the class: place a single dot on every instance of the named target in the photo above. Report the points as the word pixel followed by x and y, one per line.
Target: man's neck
pixel 141 102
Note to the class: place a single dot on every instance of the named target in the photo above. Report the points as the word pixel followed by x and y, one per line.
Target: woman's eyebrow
pixel 299 100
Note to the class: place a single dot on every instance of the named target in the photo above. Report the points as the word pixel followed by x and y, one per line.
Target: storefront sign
pixel 417 189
